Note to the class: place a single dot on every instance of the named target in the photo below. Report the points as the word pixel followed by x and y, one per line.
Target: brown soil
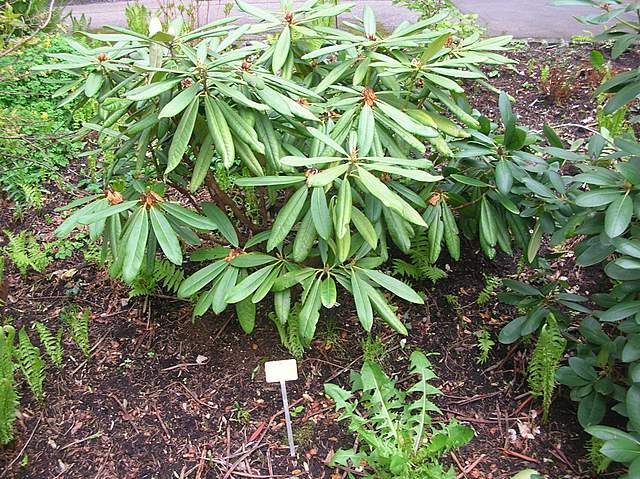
pixel 162 396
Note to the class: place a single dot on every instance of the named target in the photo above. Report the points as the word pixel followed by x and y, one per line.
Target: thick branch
pixel 220 197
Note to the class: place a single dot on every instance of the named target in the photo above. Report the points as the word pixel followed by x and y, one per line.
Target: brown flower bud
pixel 113 197
pixel 102 57
pixel 369 96
pixel 186 83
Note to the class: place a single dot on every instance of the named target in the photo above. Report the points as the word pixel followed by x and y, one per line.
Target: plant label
pixel 281 372
pixel 277 371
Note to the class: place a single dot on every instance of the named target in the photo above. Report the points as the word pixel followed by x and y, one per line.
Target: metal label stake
pixel 281 372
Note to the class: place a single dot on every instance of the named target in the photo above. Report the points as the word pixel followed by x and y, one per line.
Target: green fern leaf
pixel 78 324
pixel 31 364
pixel 52 344
pixel 544 363
pixel 8 395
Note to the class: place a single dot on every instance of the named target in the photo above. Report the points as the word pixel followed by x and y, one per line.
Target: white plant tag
pixel 277 371
pixel 281 372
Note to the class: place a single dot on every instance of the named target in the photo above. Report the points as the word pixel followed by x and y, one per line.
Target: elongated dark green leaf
pixel 149 91
pixel 95 216
pixel 165 235
pixel 328 294
pixel 179 102
pixel 487 222
pixel 182 135
pixel 137 234
pixel 361 299
pixel 222 221
pixel 226 282
pixel 292 278
pixel 378 189
pixel 200 279
pixel 246 312
pixel 219 131
pixel 320 213
pixel 381 305
pixel 364 227
pixel 281 50
pixel 287 217
pixel 248 285
pixel 309 314
pixel 188 217
pixel 366 129
pixel 270 181
pixel 618 216
pixel 395 286
pixel 343 209
pixel 534 242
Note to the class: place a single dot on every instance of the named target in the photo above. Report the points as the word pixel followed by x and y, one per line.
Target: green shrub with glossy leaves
pixel 342 134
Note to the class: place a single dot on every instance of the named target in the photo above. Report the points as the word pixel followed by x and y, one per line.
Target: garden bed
pixel 164 396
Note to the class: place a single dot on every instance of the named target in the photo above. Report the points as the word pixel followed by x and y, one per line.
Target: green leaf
pixel 228 281
pixel 534 242
pixel 182 135
pixel 309 315
pixel 200 279
pixel 618 216
pixel 378 189
pixel 327 176
pixel 504 178
pixel 219 131
pixel 166 236
pixel 366 129
pixel 591 409
pixel 620 311
pixel 270 181
pixel 328 294
pixel 621 450
pixel 361 299
pixel 188 217
pixel 252 259
pixel 248 285
pixel 488 222
pixel 287 217
pixel 137 233
pixel 343 209
pixel 154 89
pixel 179 102
pixel 246 312
pixel 395 286
pixel 320 213
pixel 465 180
pixel 364 227
pixel 281 50
pixel 599 197
pixel 95 216
pixel 222 221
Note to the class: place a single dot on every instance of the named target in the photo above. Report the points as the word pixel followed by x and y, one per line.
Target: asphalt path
pixel 520 18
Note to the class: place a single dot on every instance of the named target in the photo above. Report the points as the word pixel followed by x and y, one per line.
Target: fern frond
pixel 169 275
pixel 419 269
pixel 52 344
pixel 599 462
pixel 491 283
pixel 8 394
pixel 78 324
pixel 24 252
pixel 31 364
pixel 289 336
pixel 485 345
pixel 32 195
pixel 544 363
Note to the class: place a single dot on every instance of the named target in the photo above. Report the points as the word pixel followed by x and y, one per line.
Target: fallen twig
pixel 519 456
pixel 19 455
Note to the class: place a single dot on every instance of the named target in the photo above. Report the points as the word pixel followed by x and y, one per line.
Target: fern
pixel 32 195
pixel 78 324
pixel 289 336
pixel 25 252
pixel 491 283
pixel 165 274
pixel 8 395
pixel 31 364
pixel 599 462
pixel 544 363
pixel 420 268
pixel 52 344
pixel 485 345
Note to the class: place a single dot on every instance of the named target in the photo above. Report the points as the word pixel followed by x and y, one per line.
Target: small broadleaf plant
pixel 397 436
